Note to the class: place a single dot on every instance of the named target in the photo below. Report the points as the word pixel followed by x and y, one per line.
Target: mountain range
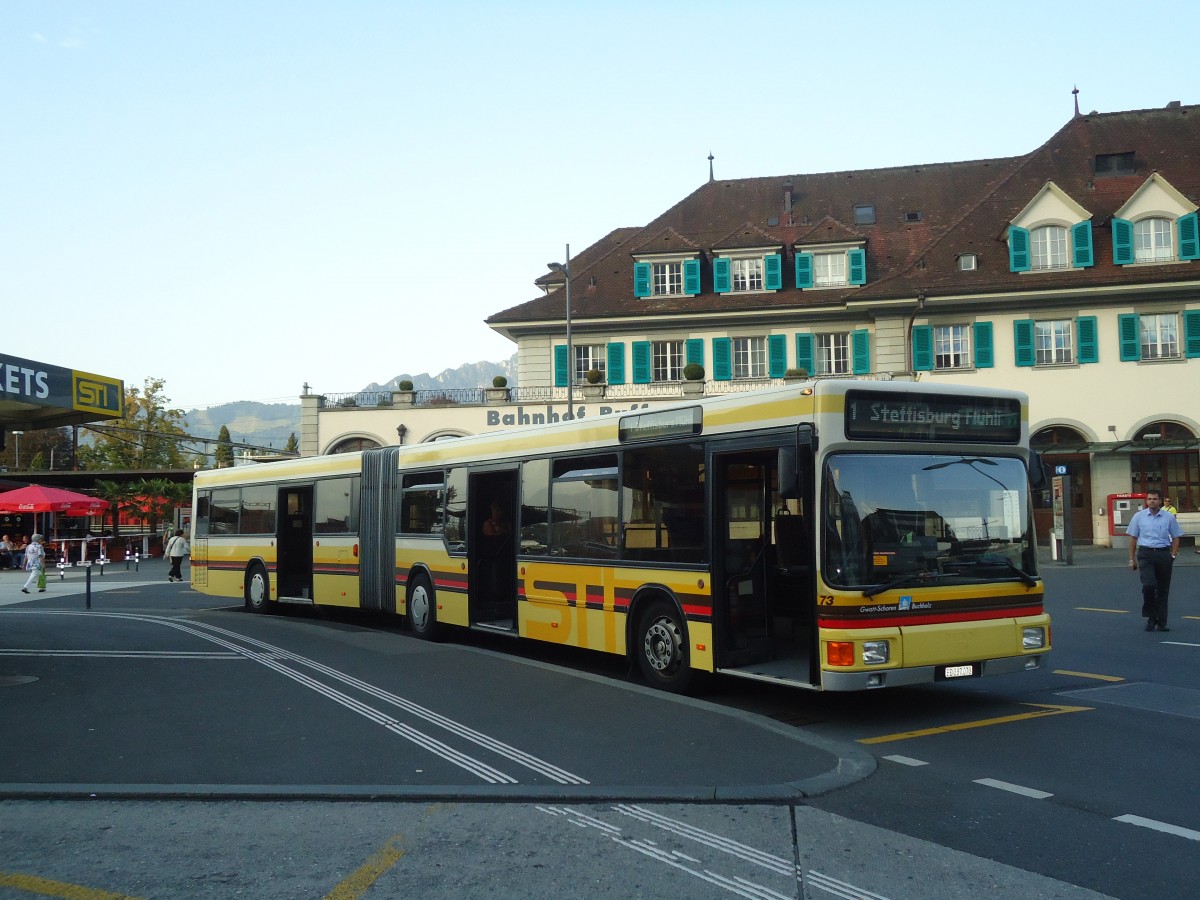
pixel 270 424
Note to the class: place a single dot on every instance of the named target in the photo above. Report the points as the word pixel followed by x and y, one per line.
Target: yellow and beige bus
pixel 829 534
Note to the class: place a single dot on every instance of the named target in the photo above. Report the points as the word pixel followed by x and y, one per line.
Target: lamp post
pixel 565 269
pixel 17 458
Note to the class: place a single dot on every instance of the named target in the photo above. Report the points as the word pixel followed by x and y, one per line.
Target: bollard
pixel 88 590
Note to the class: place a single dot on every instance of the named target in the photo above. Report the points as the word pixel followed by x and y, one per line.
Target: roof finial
pixel 710 168
pixel 1075 91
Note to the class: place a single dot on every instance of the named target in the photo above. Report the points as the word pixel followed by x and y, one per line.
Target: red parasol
pixel 37 498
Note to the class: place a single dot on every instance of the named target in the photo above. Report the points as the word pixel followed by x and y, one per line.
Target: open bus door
pixel 492 550
pixel 294 544
pixel 763 564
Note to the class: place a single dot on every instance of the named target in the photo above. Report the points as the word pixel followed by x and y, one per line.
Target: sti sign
pixel 39 395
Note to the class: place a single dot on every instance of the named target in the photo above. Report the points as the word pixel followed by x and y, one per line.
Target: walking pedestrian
pixel 35 564
pixel 1154 544
pixel 177 549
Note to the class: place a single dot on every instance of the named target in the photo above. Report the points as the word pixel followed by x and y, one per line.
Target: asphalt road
pixel 159 745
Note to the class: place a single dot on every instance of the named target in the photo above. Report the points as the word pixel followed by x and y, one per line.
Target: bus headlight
pixel 1033 638
pixel 876 653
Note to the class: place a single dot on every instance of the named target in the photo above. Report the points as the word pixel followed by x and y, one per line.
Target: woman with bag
pixel 177 549
pixel 35 564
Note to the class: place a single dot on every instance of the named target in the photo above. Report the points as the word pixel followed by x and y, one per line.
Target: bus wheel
pixel 661 648
pixel 422 609
pixel 258 590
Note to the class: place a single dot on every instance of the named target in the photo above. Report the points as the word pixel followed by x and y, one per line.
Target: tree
pixel 292 445
pixel 52 445
pixel 224 451
pixel 146 437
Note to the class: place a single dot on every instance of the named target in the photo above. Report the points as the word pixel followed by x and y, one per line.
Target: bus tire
pixel 258 589
pixel 422 609
pixel 661 646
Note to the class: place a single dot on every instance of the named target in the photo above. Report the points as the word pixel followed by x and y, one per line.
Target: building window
pixel 1049 247
pixel 1053 342
pixel 1160 337
pixel 1109 164
pixel 829 269
pixel 1152 240
pixel 951 347
pixel 666 360
pixel 968 262
pixel 864 214
pixel 588 357
pixel 913 215
pixel 750 357
pixel 668 278
pixel 833 353
pixel 747 274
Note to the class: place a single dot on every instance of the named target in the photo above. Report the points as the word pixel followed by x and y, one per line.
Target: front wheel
pixel 422 609
pixel 662 648
pixel 258 589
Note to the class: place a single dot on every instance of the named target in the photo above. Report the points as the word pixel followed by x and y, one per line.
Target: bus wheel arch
pixel 421 606
pixel 659 641
pixel 257 587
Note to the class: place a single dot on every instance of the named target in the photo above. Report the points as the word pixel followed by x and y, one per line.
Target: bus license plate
pixel 959 672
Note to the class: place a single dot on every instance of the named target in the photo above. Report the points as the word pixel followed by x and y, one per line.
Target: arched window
pixel 351 445
pixel 1057 437
pixel 1152 240
pixel 1049 247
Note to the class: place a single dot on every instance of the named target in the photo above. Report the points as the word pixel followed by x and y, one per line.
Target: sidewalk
pixel 72 580
pixel 1090 556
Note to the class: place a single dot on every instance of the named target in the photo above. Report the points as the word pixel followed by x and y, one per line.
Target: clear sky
pixel 242 197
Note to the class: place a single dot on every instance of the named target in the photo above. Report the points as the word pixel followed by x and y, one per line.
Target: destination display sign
pixel 879 416
pixel 660 424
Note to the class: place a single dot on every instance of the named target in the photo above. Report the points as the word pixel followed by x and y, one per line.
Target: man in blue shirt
pixel 1154 544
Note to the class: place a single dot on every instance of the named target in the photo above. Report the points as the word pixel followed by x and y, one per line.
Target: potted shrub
pixel 404 394
pixel 594 386
pixel 795 374
pixel 693 380
pixel 498 392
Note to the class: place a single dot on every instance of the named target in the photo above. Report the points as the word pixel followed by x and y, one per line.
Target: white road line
pixel 1013 788
pixel 906 760
pixel 128 654
pixel 1180 644
pixel 1159 826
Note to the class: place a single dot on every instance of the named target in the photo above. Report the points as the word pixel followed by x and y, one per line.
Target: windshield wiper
pixel 901 581
pixel 965 562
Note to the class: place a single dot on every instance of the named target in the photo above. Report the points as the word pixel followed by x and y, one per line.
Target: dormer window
pixel 675 276
pixel 864 214
pixel 741 271
pixel 1152 241
pixel 1049 247
pixel 968 262
pixel 1157 224
pixel 1052 232
pixel 831 267
pixel 1112 164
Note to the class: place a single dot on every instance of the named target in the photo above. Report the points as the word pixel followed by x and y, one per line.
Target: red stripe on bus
pixel 930 620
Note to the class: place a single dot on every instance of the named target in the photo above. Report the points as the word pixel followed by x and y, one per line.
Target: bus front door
pixel 763 569
pixel 294 545
pixel 492 551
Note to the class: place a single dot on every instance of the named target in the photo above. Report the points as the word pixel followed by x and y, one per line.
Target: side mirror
pixel 1037 474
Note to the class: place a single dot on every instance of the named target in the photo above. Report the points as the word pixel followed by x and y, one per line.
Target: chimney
pixel 787 202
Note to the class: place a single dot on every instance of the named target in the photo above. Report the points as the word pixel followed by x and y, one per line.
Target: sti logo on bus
pixel 94 393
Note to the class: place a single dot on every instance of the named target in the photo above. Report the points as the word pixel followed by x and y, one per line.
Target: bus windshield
pixel 910 519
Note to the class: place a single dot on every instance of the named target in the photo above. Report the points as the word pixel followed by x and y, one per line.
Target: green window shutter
pixel 641 279
pixel 694 351
pixel 1129 332
pixel 804 353
pixel 560 365
pixel 804 270
pixel 858 266
pixel 1081 244
pixel 1023 342
pixel 985 357
pixel 616 363
pixel 773 272
pixel 860 351
pixel 1189 237
pixel 1122 230
pixel 722 359
pixel 1191 333
pixel 1018 249
pixel 691 277
pixel 721 280
pixel 1086 333
pixel 776 355
pixel 922 348
pixel 641 362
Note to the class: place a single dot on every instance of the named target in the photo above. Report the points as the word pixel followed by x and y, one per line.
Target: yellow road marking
pixel 1088 675
pixel 361 880
pixel 1189 617
pixel 1100 609
pixel 45 887
pixel 1043 710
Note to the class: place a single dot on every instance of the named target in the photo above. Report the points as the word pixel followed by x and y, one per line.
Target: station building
pixel 1071 273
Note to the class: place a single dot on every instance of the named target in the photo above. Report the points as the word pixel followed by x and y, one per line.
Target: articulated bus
pixel 830 534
